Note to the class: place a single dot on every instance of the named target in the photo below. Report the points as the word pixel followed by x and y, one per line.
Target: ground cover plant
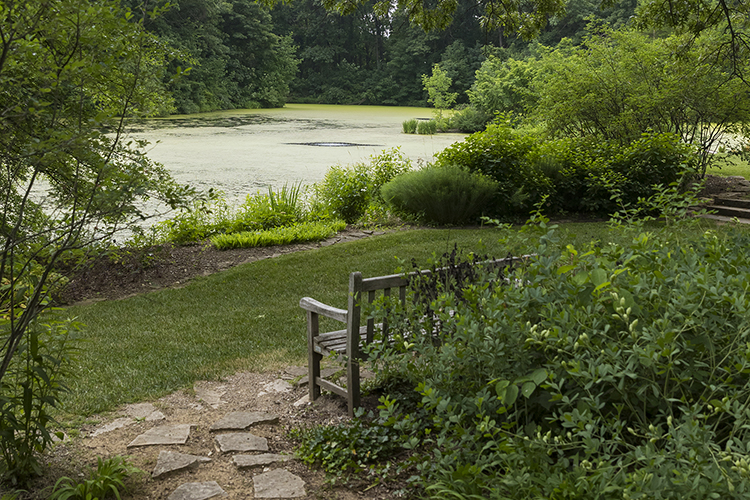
pixel 608 370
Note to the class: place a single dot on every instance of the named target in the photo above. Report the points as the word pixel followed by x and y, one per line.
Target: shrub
pixel 410 126
pixel 426 127
pixel 441 195
pixel 500 153
pixel 616 371
pixel 469 120
pixel 346 192
pixel 268 210
pixel 32 386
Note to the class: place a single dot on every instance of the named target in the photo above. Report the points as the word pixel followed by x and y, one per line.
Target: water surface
pixel 242 151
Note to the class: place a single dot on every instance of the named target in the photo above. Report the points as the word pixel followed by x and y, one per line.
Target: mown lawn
pixel 245 318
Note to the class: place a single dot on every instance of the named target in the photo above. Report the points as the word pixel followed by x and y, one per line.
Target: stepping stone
pixel 145 411
pixel 209 395
pixel 241 461
pixel 197 491
pixel 293 372
pixel 277 385
pixel 115 424
pixel 163 434
pixel 169 461
pixel 241 441
pixel 278 483
pixel 302 401
pixel 140 410
pixel 239 420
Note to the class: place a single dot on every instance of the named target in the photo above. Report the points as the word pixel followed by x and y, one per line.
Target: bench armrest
pixel 313 305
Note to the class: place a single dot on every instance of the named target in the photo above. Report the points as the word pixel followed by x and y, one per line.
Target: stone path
pixel 277 483
pixel 231 434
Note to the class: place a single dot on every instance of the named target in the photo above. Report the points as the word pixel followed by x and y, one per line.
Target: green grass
pixel 246 318
pixel 732 166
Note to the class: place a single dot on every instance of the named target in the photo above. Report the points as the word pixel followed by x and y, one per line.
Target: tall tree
pixel 70 72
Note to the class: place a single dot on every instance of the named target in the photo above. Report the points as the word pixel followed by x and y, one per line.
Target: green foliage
pixel 571 174
pixel 504 86
pixel 427 127
pixel 345 450
pixel 70 72
pixel 107 480
pixel 441 195
pixel 437 86
pixel 297 233
pixel 469 120
pixel 500 153
pixel 410 126
pixel 621 84
pixel 614 371
pixel 211 216
pixel 32 386
pixel 346 192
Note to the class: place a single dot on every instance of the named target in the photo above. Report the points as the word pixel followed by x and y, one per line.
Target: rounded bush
pixel 441 195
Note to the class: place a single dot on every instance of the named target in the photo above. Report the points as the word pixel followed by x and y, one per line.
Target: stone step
pixel 721 219
pixel 732 202
pixel 741 213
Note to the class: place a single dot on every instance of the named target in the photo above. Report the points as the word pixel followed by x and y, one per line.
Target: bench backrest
pixel 359 286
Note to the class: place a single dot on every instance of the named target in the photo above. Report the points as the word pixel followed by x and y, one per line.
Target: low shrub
pixel 426 127
pixel 410 126
pixel 305 231
pixel 32 387
pixel 346 192
pixel 500 153
pixel 575 175
pixel 469 120
pixel 441 195
pixel 614 371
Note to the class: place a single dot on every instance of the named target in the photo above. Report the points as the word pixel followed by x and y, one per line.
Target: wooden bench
pixel 346 342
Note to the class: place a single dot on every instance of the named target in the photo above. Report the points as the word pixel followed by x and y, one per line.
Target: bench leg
pixel 352 384
pixel 313 358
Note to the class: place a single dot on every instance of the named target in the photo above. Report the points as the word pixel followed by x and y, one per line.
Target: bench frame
pixel 346 342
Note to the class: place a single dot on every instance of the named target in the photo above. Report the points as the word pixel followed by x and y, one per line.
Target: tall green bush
pixel 500 153
pixel 619 84
pixel 441 195
pixel 346 192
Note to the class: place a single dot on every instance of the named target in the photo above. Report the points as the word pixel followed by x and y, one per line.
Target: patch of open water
pixel 242 151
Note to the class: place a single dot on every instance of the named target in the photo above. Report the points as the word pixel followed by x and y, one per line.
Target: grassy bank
pixel 246 318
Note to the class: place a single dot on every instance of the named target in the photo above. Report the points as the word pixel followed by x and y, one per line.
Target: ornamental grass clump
pixel 440 195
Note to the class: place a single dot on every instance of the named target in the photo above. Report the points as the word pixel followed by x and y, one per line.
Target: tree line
pixel 241 54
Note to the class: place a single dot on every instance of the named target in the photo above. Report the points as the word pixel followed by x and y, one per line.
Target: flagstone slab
pixel 209 394
pixel 197 491
pixel 276 386
pixel 115 424
pixel 169 461
pixel 278 483
pixel 163 435
pixel 241 441
pixel 241 461
pixel 239 420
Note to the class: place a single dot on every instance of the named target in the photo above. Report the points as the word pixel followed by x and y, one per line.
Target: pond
pixel 242 151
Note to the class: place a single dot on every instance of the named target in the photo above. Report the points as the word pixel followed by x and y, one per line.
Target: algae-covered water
pixel 242 151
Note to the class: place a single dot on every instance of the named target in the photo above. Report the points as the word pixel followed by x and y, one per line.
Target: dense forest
pixel 240 54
